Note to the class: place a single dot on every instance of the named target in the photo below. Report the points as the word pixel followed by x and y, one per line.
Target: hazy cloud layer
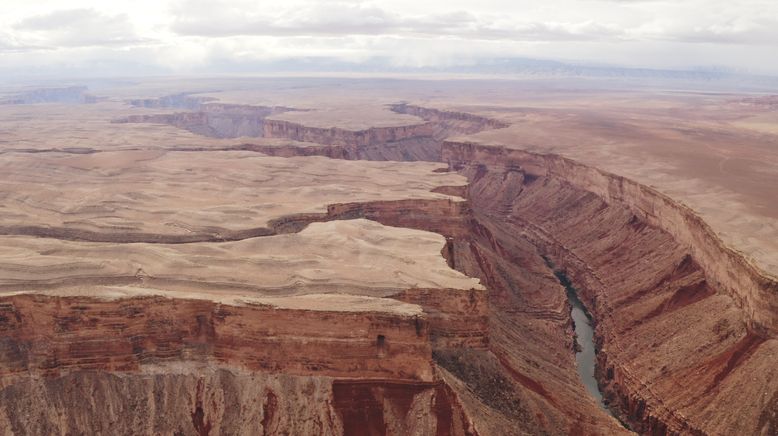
pixel 343 19
pixel 187 35
pixel 78 27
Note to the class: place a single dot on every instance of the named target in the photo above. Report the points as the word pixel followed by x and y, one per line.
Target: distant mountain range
pixel 507 66
pixel 519 68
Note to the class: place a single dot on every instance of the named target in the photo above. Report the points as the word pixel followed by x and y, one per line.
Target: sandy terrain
pixel 98 177
pixel 179 193
pixel 357 257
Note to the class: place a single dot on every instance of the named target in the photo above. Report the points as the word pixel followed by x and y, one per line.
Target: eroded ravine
pixel 652 298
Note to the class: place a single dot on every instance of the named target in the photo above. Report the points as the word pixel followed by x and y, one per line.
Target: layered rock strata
pixel 56 333
pixel 196 366
pixel 215 120
pixel 414 142
pixel 652 274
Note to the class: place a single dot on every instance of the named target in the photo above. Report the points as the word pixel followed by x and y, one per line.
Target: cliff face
pixel 402 143
pixel 755 292
pixel 458 319
pixel 506 388
pixel 213 119
pixel 176 365
pixel 337 136
pixel 51 335
pixel 683 322
pixel 200 367
pixel 178 400
pixel 448 123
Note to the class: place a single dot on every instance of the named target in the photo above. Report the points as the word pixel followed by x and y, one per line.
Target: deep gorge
pixel 680 319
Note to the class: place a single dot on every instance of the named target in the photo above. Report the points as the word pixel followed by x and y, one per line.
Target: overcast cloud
pixel 191 35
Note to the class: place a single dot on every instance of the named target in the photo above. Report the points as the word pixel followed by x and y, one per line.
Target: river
pixel 586 356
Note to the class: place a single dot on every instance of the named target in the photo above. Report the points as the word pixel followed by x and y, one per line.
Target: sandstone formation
pixel 183 196
pixel 651 273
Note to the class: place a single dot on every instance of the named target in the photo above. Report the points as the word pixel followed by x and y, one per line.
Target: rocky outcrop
pixel 458 319
pixel 372 372
pixel 154 365
pixel 400 409
pixel 449 123
pixel 52 335
pixel 406 143
pixel 336 136
pixel 194 400
pixel 413 149
pixel 214 119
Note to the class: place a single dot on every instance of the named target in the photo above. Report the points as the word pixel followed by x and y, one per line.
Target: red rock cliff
pixel 683 322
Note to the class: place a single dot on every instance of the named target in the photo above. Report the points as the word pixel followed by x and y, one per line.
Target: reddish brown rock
pixel 682 320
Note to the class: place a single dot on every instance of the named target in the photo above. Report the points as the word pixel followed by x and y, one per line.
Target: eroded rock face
pixel 215 120
pixel 413 142
pixel 682 321
pixel 50 335
pixel 754 290
pixel 169 400
pixel 337 136
pixel 190 400
pixel 447 122
pixel 153 365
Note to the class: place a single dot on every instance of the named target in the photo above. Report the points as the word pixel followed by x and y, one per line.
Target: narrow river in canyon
pixel 585 356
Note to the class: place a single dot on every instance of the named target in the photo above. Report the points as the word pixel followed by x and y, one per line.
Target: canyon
pixel 219 263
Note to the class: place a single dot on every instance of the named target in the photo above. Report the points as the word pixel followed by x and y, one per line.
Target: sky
pixel 189 36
